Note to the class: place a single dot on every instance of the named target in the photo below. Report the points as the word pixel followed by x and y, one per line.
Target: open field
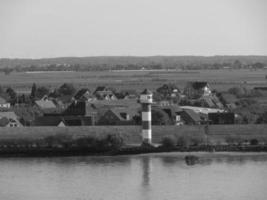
pixel 131 134
pixel 218 79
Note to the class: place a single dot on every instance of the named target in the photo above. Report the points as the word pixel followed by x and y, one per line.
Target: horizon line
pixel 147 56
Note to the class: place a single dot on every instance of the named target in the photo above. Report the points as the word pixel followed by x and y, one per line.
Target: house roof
pixel 118 111
pixel 117 103
pixel 45 104
pixel 81 93
pixel 208 100
pixel 48 121
pixel 202 109
pixel 146 91
pixel 100 89
pixel 171 110
pixel 2 100
pixel 193 115
pixel 8 117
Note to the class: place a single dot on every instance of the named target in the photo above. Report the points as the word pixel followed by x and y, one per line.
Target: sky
pixel 60 28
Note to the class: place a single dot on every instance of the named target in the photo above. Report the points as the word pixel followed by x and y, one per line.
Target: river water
pixel 153 176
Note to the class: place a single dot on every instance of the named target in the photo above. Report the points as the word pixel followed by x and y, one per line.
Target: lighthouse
pixel 146 101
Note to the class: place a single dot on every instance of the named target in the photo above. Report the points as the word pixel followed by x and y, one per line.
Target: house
pixel 84 95
pixel 9 119
pixel 221 118
pixel 190 117
pixel 118 116
pixel 195 90
pixel 104 93
pixel 202 110
pixel 174 113
pixel 4 104
pixel 62 121
pixel 45 104
pixel 127 94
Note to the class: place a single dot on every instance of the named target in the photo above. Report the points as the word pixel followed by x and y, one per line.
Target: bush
pixel 196 141
pixel 183 141
pixel 233 140
pixel 168 141
pixel 114 141
pixel 253 142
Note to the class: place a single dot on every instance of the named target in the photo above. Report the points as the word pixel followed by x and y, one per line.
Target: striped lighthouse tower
pixel 146 101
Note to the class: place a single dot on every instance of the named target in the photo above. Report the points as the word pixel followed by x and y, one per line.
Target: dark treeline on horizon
pixel 103 63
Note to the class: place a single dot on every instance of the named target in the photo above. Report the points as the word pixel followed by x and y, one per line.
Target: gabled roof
pixel 193 115
pixel 100 89
pixel 45 104
pixel 121 113
pixel 81 93
pixel 7 117
pixel 146 91
pixel 48 121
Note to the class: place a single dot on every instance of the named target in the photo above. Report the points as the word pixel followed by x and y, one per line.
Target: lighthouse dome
pixel 146 97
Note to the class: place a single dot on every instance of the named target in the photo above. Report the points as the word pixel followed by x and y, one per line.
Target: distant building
pixel 173 112
pixel 221 118
pixel 190 117
pixel 4 104
pixel 202 110
pixel 195 90
pixel 118 116
pixel 62 121
pixel 104 93
pixel 9 119
pixel 45 104
pixel 84 95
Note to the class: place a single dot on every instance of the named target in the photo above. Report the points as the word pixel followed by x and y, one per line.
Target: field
pixel 218 79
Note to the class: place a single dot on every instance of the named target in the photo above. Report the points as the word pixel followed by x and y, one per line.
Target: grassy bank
pixel 55 141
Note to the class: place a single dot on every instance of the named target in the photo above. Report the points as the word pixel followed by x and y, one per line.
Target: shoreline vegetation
pixel 114 144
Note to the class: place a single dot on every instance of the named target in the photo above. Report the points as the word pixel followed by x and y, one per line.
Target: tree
pixel 12 95
pixel 66 89
pixel 33 92
pixel 7 70
pixel 167 90
pixel 159 117
pixel 41 91
pixel 262 119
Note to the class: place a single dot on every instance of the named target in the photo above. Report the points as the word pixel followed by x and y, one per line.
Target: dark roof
pixel 118 111
pixel 80 93
pixel 193 115
pixel 100 88
pixel 48 121
pixel 146 91
pixel 198 85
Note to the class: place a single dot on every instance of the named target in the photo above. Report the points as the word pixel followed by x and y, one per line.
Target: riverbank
pixel 124 140
pixel 60 151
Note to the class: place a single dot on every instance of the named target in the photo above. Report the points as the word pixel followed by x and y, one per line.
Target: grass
pixel 132 134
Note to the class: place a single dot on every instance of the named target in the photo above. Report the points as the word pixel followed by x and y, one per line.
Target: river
pixel 223 176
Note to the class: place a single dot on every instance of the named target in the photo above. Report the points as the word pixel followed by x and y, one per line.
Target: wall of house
pixel 132 134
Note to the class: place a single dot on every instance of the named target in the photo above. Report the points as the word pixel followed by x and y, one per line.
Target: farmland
pixel 130 79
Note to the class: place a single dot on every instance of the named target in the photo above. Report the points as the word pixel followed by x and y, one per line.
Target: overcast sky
pixel 55 28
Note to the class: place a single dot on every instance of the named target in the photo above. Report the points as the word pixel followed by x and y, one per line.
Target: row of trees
pixel 160 64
